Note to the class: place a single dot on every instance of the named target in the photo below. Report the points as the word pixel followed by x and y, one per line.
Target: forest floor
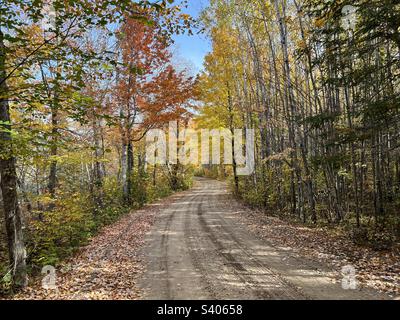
pixel 203 244
pixel 379 270
pixel 106 269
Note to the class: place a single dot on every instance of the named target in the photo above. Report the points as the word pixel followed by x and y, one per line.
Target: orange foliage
pixel 149 91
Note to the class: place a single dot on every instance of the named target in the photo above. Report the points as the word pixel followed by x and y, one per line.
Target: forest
pixel 83 82
pixel 322 93
pixel 78 93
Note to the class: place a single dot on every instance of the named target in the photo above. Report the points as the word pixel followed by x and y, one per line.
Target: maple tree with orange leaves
pixel 149 91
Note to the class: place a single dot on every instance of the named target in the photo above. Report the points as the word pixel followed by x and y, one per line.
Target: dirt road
pixel 197 249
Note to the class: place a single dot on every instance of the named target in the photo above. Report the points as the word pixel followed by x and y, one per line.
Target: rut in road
pixel 197 249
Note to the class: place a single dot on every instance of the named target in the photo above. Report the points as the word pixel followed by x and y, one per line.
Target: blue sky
pixel 191 50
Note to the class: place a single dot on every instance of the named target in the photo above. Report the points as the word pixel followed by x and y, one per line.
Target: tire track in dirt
pixel 287 289
pixel 164 259
pixel 235 263
pixel 238 269
pixel 165 249
pixel 191 234
pixel 198 249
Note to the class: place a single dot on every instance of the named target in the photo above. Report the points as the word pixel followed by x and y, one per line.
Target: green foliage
pixel 320 120
pixel 383 111
pixel 336 161
pixel 57 233
pixel 254 197
pixel 161 190
pixel 214 172
pixel 184 182
pixel 111 207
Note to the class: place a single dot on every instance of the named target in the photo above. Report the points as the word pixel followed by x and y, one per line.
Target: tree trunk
pixel 98 174
pixel 124 170
pixel 12 211
pixel 130 164
pixel 53 152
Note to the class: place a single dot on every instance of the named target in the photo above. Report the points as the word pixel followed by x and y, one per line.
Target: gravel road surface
pixel 198 250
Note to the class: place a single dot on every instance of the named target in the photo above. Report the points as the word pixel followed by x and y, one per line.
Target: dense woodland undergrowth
pixel 80 88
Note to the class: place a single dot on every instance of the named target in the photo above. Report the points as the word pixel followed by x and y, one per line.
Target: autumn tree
pixel 43 67
pixel 323 98
pixel 149 92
